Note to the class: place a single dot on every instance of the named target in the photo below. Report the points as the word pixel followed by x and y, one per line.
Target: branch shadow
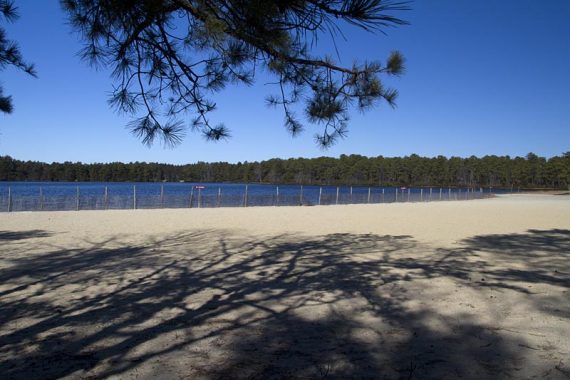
pixel 22 235
pixel 214 304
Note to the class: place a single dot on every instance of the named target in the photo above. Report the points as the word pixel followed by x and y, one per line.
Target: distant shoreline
pixel 501 172
pixel 502 188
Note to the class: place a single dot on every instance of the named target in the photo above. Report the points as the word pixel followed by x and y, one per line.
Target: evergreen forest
pixel 527 172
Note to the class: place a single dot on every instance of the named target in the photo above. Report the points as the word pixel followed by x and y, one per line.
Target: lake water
pixel 22 196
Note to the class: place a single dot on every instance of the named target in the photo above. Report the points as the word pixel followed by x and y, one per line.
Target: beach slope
pixel 467 289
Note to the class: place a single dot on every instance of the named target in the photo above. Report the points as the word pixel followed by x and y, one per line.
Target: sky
pixel 483 77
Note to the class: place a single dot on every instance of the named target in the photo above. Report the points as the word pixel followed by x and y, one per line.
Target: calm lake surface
pixel 31 196
pixel 175 188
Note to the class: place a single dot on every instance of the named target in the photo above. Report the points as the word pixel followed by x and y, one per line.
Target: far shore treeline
pixel 496 171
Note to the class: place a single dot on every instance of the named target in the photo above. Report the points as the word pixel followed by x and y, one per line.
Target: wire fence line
pixel 196 198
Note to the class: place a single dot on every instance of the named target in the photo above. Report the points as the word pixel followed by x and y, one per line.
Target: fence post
pixel 430 193
pixel 219 196
pixel 161 196
pixel 422 194
pixel 440 193
pixel 9 199
pixel 134 197
pixel 320 194
pixel 41 199
pixel 409 194
pixel 191 197
pixel 301 196
pixel 245 197
pixel 337 190
pixel 277 196
pixel 396 195
pixel 383 196
pixel 350 194
pixel 106 199
pixel 368 194
pixel 77 199
pixel 199 197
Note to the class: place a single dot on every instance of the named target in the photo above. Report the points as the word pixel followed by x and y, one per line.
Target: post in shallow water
pixel 277 196
pixel 9 199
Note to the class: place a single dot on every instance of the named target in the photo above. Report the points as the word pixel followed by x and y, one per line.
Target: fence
pixel 196 198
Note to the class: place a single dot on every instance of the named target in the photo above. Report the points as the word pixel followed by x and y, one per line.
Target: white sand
pixel 441 222
pixel 472 289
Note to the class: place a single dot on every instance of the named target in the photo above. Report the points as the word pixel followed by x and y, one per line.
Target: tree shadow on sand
pixel 213 304
pixel 22 235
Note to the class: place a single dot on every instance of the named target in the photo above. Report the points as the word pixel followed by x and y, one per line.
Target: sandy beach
pixel 466 289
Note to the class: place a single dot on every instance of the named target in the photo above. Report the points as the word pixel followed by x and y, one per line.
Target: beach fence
pixel 201 197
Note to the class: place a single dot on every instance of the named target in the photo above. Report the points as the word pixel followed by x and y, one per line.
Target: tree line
pixel 531 171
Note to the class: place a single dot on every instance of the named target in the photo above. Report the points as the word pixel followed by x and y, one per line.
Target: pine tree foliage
pixel 10 54
pixel 169 57
pixel 531 171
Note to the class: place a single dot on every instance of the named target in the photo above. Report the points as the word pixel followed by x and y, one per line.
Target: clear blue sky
pixel 484 77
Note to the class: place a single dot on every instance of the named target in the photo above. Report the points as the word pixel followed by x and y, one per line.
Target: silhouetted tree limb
pixel 169 57
pixel 10 54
